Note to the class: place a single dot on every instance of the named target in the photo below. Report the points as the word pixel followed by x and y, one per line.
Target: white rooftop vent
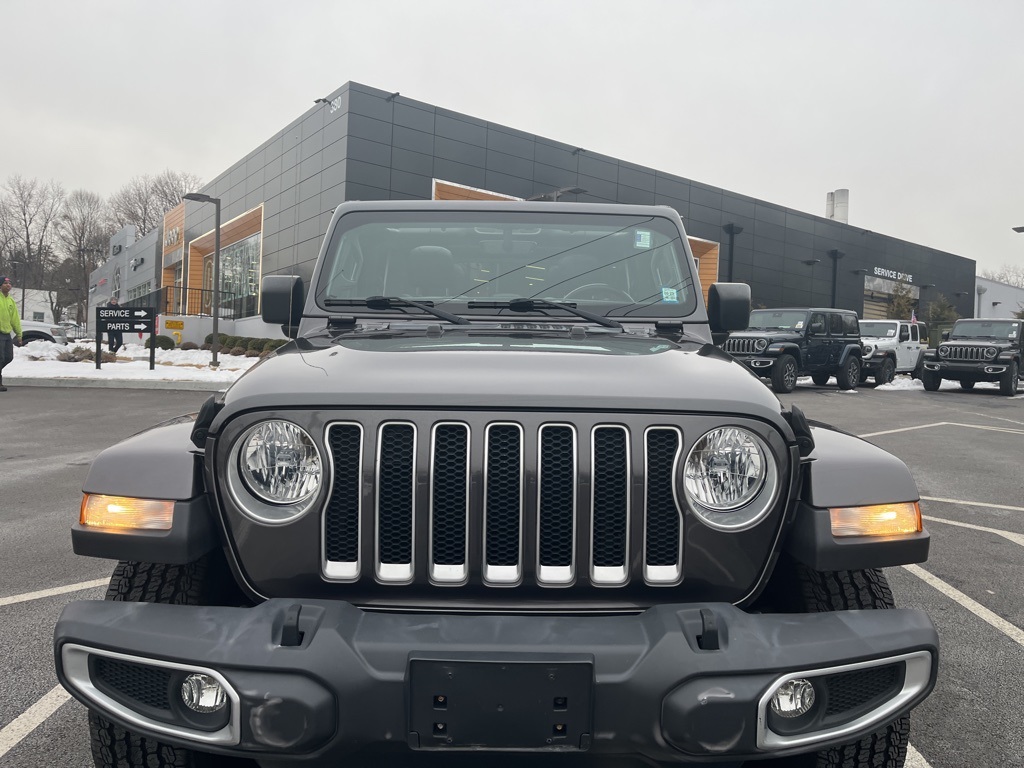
pixel 837 205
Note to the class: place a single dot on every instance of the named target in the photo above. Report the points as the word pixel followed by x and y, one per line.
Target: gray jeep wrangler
pixel 500 494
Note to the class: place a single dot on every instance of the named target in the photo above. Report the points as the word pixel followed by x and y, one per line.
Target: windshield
pixel 986 329
pixel 878 330
pixel 777 320
pixel 469 262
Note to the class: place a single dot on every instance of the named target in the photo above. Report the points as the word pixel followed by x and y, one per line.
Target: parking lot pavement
pixel 964 449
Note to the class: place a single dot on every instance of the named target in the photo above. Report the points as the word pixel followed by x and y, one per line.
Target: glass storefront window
pixel 240 277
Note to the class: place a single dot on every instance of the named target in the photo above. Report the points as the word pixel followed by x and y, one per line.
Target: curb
pixel 186 385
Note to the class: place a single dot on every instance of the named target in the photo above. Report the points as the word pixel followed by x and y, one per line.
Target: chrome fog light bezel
pixel 75 660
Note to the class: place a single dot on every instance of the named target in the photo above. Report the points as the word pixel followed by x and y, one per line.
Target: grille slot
pixel 449 503
pixel 555 503
pixel 503 504
pixel 396 494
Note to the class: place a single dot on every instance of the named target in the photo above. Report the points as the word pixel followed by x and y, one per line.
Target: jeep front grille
pixel 967 353
pixel 549 495
pixel 740 346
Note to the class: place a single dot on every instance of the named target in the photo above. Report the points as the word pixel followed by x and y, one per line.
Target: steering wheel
pixel 600 292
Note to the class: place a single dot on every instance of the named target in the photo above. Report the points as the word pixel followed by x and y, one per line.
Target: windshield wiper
pixel 531 305
pixel 392 302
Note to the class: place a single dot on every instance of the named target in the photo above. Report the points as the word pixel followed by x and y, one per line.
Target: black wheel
pixel 931 380
pixel 203 582
pixel 967 384
pixel 27 337
pixel 821 379
pixel 1009 381
pixel 795 588
pixel 848 375
pixel 886 373
pixel 784 374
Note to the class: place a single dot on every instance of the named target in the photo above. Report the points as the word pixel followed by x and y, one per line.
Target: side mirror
pixel 728 307
pixel 281 302
pixel 945 335
pixel 816 329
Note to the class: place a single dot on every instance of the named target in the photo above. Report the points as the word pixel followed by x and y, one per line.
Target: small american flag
pixel 913 317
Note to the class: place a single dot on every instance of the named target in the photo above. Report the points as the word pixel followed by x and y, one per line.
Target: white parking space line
pixel 964 503
pixel 945 424
pixel 1016 538
pixel 914 759
pixel 26 596
pixel 31 719
pixel 1011 631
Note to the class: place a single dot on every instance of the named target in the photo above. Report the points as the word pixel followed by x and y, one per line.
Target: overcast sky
pixel 914 105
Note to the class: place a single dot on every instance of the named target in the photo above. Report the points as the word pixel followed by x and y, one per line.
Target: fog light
pixel 793 698
pixel 201 693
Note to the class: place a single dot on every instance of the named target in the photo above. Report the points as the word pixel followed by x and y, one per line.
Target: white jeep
pixel 891 347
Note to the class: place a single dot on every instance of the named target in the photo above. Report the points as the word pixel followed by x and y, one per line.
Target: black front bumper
pixel 319 681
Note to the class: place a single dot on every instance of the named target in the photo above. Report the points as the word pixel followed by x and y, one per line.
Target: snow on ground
pixel 38 359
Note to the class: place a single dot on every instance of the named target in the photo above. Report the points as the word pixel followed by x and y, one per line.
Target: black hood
pixel 488 370
pixel 769 336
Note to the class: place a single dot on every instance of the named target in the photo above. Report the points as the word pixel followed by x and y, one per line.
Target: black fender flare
pixel 788 349
pixel 850 349
pixel 159 463
pixel 846 471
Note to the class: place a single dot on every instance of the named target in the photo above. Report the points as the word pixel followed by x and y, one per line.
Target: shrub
pixel 252 353
pixel 256 344
pixel 207 346
pixel 237 351
pixel 189 345
pixel 81 354
pixel 162 342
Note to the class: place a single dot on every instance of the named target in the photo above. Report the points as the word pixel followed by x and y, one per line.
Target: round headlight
pixel 279 463
pixel 868 349
pixel 725 473
pixel 990 352
pixel 760 344
pixel 943 351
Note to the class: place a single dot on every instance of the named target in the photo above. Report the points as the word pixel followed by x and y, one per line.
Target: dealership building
pixel 361 143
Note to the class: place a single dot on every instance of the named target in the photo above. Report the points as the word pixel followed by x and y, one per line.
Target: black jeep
pixel 978 350
pixel 500 494
pixel 782 344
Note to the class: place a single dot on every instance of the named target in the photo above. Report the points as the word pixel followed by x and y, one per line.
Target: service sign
pixel 126 319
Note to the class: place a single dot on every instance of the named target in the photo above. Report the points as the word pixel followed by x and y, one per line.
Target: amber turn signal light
pixel 877 520
pixel 124 512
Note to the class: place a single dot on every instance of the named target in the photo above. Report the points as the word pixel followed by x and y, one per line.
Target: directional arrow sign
pixel 142 326
pixel 143 313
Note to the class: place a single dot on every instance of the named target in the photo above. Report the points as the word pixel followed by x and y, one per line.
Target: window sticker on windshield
pixel 670 295
pixel 891 332
pixel 799 324
pixel 642 239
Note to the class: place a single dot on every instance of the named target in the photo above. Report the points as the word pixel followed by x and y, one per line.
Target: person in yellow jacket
pixel 10 324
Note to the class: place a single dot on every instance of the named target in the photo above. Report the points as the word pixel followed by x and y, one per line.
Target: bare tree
pixel 169 187
pixel 31 209
pixel 1011 274
pixel 84 232
pixel 143 200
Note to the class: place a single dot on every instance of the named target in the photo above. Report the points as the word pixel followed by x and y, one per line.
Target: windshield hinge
pixel 668 326
pixel 340 321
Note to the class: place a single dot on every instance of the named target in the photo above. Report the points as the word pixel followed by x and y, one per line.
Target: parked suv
pixel 891 347
pixel 782 344
pixel 500 494
pixel 978 350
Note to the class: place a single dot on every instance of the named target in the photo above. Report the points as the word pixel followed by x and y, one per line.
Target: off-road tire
pixel 1009 382
pixel 203 582
pixel 784 374
pixel 967 384
pixel 886 373
pixel 848 375
pixel 821 379
pixel 931 380
pixel 795 588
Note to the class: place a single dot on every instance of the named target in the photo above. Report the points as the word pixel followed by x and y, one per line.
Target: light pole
pixel 835 254
pixel 732 230
pixel 554 194
pixel 200 198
